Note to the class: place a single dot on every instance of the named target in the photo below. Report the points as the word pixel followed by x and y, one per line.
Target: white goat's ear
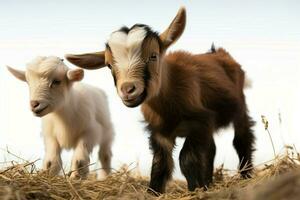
pixel 75 74
pixel 174 30
pixel 94 60
pixel 19 74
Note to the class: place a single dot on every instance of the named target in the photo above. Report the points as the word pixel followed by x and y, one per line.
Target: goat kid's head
pixel 134 56
pixel 49 80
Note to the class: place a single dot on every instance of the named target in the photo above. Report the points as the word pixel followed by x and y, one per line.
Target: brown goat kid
pixel 181 94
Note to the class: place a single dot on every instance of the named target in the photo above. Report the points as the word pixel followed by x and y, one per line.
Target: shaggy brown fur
pixel 199 94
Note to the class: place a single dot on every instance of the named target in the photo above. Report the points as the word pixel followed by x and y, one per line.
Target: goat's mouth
pixel 131 103
pixel 41 111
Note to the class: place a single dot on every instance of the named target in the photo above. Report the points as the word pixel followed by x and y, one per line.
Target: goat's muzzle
pixel 132 94
pixel 38 108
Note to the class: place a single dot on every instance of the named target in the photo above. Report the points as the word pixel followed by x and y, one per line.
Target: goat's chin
pixel 43 112
pixel 136 101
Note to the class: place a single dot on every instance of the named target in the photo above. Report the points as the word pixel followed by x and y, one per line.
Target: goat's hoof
pixel 44 172
pixel 102 175
pixel 50 168
pixel 74 175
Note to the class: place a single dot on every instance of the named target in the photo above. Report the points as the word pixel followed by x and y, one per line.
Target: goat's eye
pixel 153 57
pixel 55 83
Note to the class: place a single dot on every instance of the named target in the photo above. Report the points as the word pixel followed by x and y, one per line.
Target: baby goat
pixel 74 115
pixel 181 94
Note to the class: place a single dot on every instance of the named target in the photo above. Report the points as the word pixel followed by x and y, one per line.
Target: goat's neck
pixel 67 106
pixel 163 93
pixel 164 79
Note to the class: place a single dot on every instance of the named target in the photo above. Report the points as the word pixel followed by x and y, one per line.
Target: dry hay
pixel 273 180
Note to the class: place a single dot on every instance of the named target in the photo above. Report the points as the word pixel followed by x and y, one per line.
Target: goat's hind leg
pixel 105 155
pixel 243 141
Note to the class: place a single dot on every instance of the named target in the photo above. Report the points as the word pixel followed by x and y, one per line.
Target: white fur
pixel 82 123
pixel 126 48
pixel 77 116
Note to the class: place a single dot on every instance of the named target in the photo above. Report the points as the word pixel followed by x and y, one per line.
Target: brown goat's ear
pixel 88 61
pixel 175 29
pixel 19 74
pixel 75 74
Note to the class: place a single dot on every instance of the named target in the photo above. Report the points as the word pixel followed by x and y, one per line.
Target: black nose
pixel 34 104
pixel 128 88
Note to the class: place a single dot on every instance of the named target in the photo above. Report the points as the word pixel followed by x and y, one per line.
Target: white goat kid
pixel 74 115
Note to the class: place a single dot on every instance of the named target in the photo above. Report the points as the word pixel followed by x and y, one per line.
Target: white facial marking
pixel 126 48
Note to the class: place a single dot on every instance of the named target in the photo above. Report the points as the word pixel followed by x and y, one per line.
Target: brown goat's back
pixel 212 81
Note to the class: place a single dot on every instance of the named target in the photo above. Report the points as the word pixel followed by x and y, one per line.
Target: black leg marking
pixel 81 169
pixel 80 164
pixel 48 164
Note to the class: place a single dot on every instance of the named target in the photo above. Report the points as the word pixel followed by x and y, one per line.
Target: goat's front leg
pixel 162 163
pixel 196 158
pixel 81 159
pixel 52 160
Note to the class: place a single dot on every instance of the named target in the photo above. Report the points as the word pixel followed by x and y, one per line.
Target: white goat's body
pixel 84 114
pixel 81 123
pixel 74 115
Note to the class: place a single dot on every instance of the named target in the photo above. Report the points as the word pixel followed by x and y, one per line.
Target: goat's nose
pixel 34 104
pixel 128 88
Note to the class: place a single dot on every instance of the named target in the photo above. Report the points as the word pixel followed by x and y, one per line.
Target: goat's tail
pixel 247 83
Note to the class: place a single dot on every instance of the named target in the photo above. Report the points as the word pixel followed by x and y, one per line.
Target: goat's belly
pixel 225 114
pixel 184 128
pixel 67 140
